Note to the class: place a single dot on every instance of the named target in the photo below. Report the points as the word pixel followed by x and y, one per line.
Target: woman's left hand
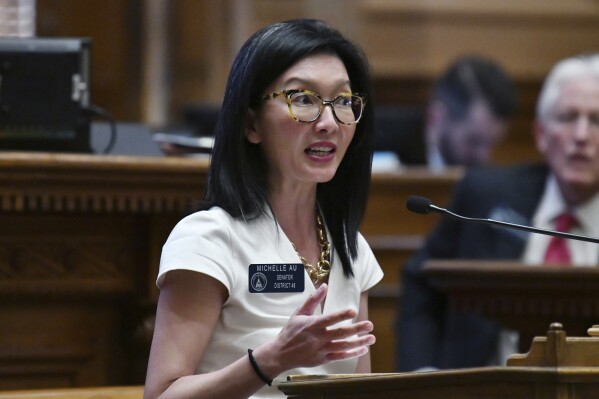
pixel 307 340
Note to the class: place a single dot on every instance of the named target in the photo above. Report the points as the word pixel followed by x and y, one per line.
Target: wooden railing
pixel 130 392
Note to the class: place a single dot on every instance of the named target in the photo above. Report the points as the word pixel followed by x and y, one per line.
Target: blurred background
pixel 159 62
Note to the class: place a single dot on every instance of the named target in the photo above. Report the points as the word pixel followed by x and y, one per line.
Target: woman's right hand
pixel 307 340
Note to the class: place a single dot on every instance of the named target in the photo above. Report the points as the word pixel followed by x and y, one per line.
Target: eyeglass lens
pixel 306 107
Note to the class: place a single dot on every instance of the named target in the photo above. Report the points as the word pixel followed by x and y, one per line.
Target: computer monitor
pixel 44 90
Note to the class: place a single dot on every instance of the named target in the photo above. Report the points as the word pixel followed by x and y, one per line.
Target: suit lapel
pixel 518 207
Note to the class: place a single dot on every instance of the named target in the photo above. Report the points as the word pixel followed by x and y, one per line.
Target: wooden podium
pixel 557 367
pixel 521 297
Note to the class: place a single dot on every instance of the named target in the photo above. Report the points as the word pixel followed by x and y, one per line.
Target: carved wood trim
pixel 90 183
pixel 52 368
pixel 520 296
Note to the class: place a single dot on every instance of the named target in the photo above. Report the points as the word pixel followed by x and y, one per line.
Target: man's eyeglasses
pixel 306 106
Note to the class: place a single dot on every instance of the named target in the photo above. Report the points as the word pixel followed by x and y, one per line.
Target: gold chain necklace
pixel 322 269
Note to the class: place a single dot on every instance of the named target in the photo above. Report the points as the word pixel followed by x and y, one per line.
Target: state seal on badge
pixel 259 281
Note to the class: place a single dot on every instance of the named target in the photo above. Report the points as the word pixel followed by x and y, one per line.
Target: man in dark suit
pixel 567 134
pixel 466 116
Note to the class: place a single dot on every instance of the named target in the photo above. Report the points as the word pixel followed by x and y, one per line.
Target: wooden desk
pixel 487 383
pixel 79 249
pixel 558 367
pixel 523 298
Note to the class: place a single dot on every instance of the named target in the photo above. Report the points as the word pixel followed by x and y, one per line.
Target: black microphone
pixel 423 206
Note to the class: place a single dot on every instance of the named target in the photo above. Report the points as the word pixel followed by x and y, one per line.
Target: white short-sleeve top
pixel 216 244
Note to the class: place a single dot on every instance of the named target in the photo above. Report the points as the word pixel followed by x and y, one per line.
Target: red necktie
pixel 557 251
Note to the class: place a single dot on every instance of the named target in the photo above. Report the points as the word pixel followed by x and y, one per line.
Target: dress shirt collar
pixel 434 158
pixel 553 204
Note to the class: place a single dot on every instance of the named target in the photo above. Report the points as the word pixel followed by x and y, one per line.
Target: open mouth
pixel 319 151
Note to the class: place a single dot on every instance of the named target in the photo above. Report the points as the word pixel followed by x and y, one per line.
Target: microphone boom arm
pixel 515 226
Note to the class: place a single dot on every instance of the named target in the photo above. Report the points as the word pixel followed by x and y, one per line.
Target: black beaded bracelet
pixel 257 369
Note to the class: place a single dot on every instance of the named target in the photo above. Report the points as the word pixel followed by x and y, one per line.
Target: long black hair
pixel 238 171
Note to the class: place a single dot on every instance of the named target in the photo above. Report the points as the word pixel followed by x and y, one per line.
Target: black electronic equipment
pixel 45 94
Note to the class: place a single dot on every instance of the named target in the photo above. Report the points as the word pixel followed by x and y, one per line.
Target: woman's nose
pixel 327 120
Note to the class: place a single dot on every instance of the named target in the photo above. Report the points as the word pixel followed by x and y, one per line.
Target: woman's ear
pixel 250 130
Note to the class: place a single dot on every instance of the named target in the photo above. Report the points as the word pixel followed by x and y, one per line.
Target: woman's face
pixel 302 153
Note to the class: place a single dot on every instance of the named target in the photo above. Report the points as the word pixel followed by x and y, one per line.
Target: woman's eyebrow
pixel 342 85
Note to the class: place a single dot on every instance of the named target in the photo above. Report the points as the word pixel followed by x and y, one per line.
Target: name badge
pixel 279 277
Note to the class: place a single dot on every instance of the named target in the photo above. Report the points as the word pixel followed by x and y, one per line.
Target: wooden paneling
pixel 79 250
pixel 527 36
pixel 200 52
pixel 114 27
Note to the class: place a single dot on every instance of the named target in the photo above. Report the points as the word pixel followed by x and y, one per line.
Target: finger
pixel 350 345
pixel 313 301
pixel 346 349
pixel 328 320
pixel 334 356
pixel 343 332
